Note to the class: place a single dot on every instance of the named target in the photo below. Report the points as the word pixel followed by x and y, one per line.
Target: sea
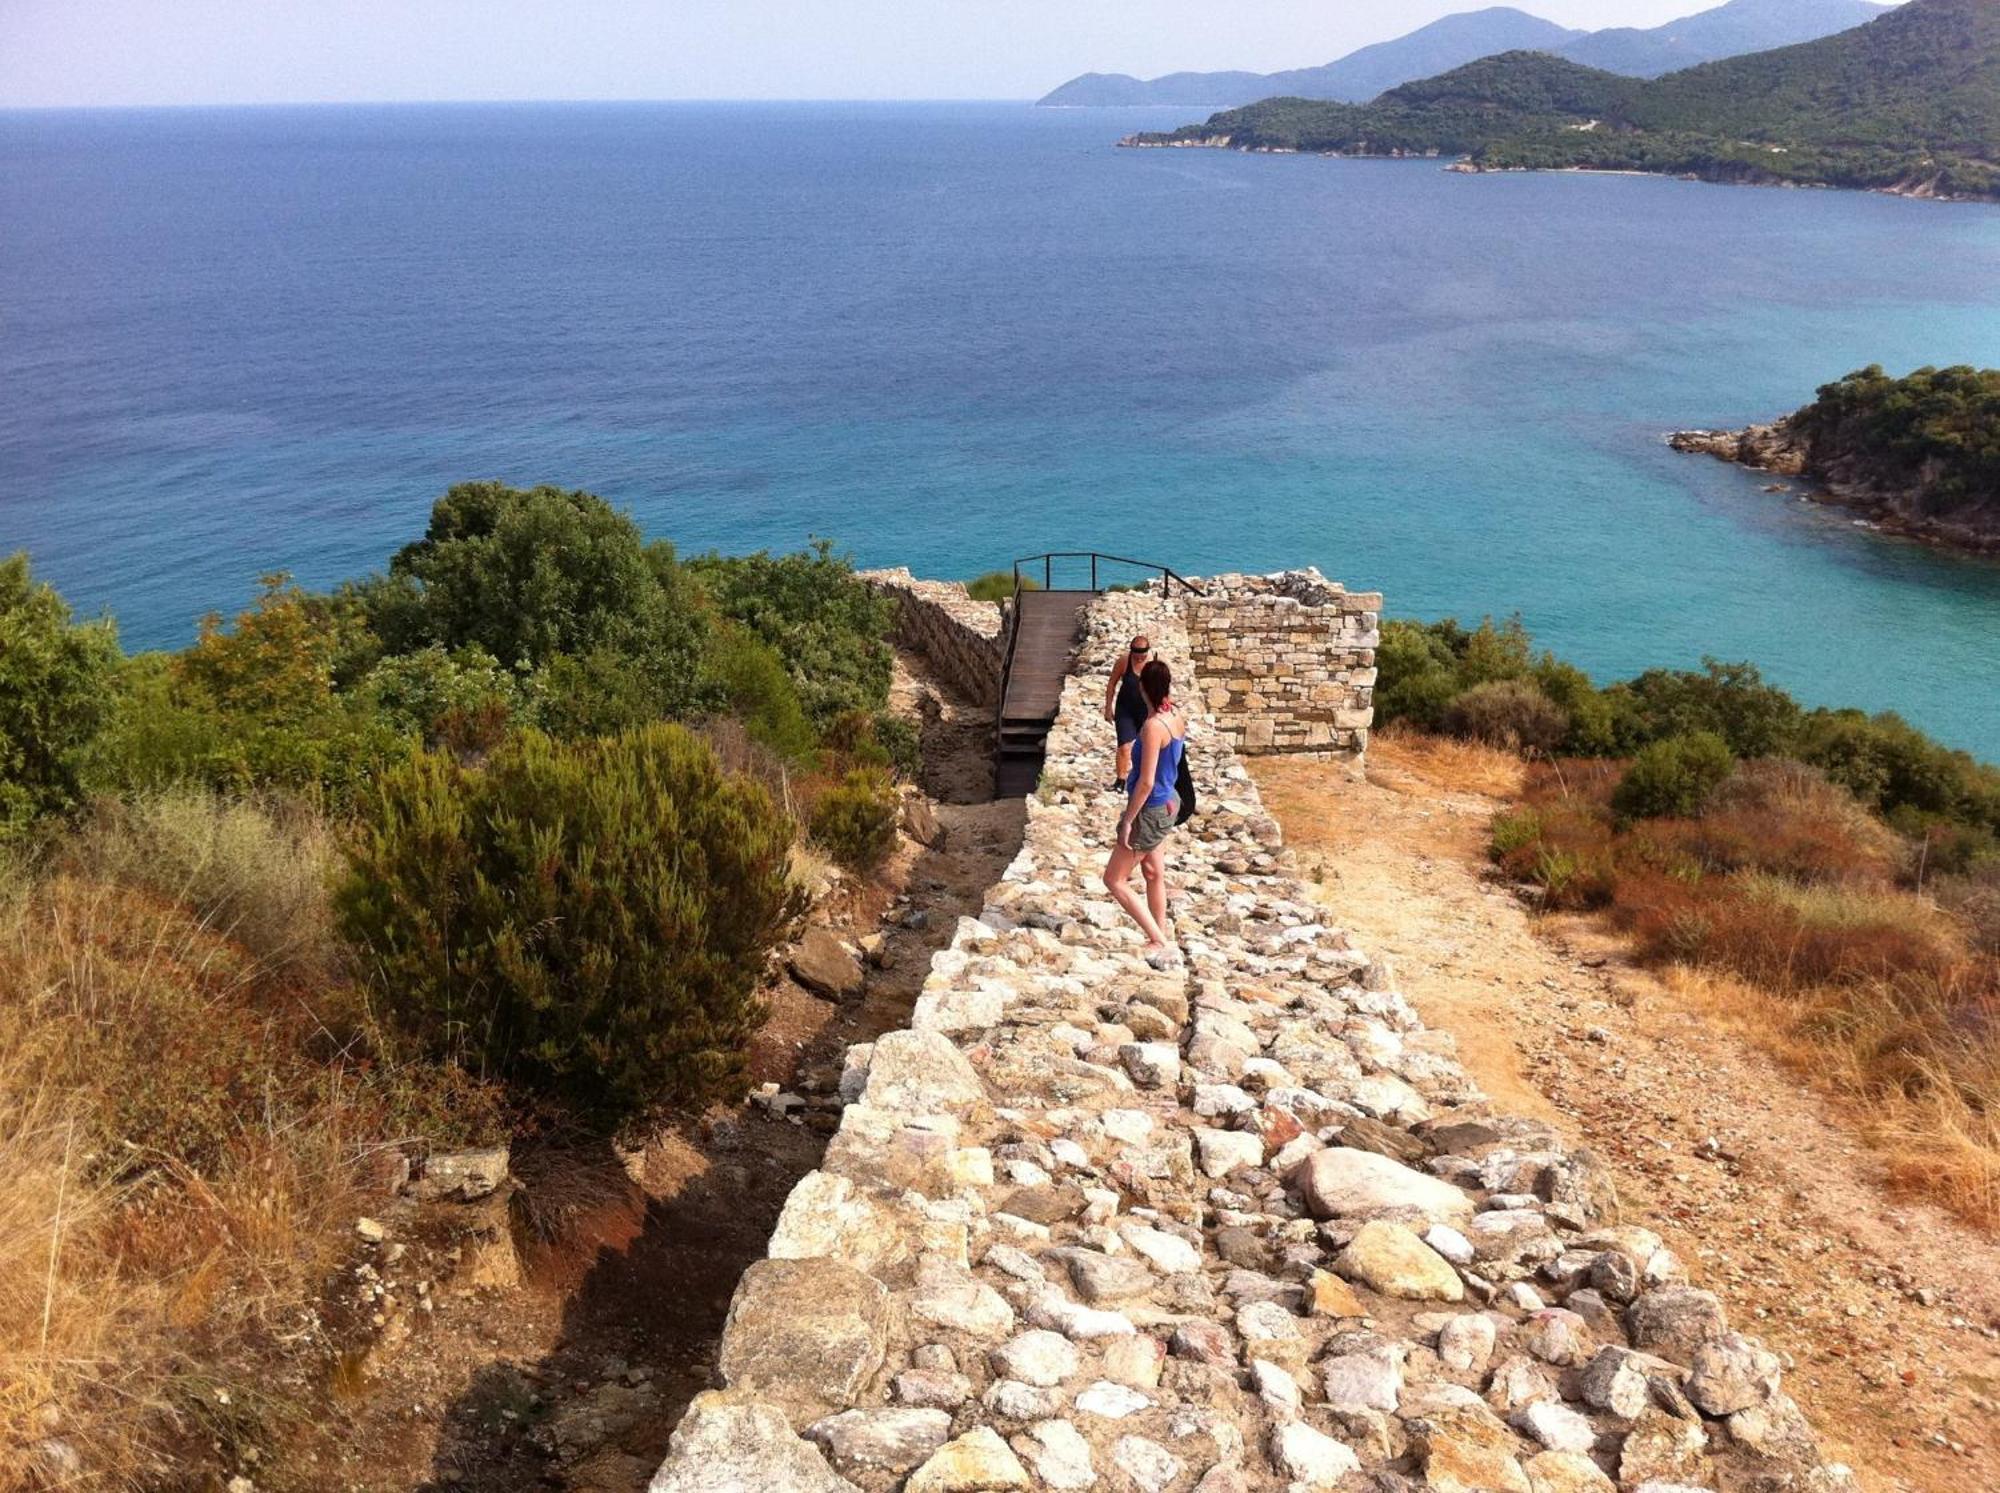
pixel 238 341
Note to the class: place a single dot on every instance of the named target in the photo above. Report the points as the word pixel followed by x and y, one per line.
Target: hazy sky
pixel 267 51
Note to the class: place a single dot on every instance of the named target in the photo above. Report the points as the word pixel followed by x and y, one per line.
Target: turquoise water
pixel 945 335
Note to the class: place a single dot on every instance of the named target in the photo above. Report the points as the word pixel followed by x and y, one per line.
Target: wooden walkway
pixel 1046 625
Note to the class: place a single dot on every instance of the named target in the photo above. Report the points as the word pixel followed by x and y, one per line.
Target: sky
pixel 111 52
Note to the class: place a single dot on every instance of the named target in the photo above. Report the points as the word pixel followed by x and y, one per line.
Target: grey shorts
pixel 1154 824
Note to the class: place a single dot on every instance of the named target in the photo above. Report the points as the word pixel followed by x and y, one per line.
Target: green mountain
pixel 1909 103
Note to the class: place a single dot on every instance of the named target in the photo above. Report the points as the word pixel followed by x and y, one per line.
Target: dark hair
pixel 1157 680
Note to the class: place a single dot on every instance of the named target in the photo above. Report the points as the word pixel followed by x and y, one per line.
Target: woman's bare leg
pixel 1118 880
pixel 1155 867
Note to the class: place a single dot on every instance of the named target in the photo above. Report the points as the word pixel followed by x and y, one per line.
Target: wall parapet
pixel 1240 1226
pixel 964 639
pixel 1287 661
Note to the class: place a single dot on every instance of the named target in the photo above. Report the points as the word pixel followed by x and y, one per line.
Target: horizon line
pixel 394 103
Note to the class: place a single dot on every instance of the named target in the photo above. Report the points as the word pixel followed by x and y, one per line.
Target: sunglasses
pixel 1142 650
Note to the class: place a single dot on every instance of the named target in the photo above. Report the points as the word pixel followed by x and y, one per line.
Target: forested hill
pixel 1910 103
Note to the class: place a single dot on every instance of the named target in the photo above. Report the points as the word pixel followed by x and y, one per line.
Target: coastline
pixel 1924 191
pixel 1774 450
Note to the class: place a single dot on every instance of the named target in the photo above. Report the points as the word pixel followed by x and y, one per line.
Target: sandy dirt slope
pixel 1889 1309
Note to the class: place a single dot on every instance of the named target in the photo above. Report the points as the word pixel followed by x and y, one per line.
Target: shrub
pixel 749 679
pixel 900 738
pixel 855 821
pixel 55 688
pixel 1509 713
pixel 589 920
pixel 249 706
pixel 462 698
pixel 830 629
pixel 1512 832
pixel 1732 701
pixel 1673 778
pixel 998 585
pixel 529 576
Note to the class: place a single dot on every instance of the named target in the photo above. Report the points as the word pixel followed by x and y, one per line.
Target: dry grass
pixel 1447 762
pixel 1937 1127
pixel 181 1118
pixel 1784 904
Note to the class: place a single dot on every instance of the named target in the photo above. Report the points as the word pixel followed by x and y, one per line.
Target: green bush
pixel 55 692
pixel 1729 700
pixel 998 585
pixel 900 738
pixel 589 919
pixel 831 630
pixel 855 821
pixel 1515 831
pixel 1510 713
pixel 749 680
pixel 1673 778
pixel 531 576
pixel 460 699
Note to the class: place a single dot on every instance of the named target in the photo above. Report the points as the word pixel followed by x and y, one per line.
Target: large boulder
pixel 729 1445
pixel 804 1335
pixel 921 1073
pixel 822 964
pixel 1389 1258
pixel 1341 1182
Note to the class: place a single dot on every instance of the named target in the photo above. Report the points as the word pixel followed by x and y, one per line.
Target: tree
pixel 532 576
pixel 55 693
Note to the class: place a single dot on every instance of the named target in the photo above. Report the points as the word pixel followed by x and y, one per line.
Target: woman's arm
pixel 1111 689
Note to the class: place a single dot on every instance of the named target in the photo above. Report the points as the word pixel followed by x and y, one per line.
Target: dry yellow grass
pixel 1447 762
pixel 1938 1129
pixel 179 1134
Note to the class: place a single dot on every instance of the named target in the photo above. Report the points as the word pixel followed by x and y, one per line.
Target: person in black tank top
pixel 1125 703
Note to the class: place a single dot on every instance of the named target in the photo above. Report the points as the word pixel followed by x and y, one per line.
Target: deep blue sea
pixel 236 341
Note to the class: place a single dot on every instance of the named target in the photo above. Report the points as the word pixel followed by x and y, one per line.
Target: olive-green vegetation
pixel 499 840
pixel 1488 683
pixel 1910 101
pixel 482 721
pixel 1930 442
pixel 587 920
pixel 998 585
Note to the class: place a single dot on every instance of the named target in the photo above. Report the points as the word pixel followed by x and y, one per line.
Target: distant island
pixel 1917 455
pixel 1909 103
pixel 1727 31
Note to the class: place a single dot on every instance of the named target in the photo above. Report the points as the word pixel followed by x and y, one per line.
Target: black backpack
pixel 1184 790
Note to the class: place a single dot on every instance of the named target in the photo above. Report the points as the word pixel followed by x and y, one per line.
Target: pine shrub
pixel 1511 713
pixel 588 920
pixel 855 821
pixel 1673 778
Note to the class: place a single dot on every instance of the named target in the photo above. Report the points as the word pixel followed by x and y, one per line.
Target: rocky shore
pixel 1784 450
pixel 1242 1226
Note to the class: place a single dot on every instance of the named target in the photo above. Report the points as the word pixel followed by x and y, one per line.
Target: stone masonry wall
pixel 966 640
pixel 1287 661
pixel 1240 1226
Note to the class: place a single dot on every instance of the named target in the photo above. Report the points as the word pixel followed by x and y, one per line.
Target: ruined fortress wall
pixel 965 640
pixel 1240 1226
pixel 1287 661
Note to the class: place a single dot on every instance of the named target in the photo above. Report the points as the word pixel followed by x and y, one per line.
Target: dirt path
pixel 1889 1310
pixel 575 1377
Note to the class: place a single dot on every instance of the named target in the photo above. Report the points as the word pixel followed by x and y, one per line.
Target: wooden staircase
pixel 1042 635
pixel 1043 640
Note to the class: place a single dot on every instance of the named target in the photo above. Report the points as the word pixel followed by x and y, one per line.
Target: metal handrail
pixel 1048 576
pixel 1048 570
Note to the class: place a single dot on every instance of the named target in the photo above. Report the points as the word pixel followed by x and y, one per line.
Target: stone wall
pixel 1238 1226
pixel 965 640
pixel 1287 661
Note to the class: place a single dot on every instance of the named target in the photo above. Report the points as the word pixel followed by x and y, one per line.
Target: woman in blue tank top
pixel 1150 811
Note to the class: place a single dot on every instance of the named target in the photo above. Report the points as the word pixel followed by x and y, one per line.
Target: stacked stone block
pixel 1238 1227
pixel 965 640
pixel 1287 661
